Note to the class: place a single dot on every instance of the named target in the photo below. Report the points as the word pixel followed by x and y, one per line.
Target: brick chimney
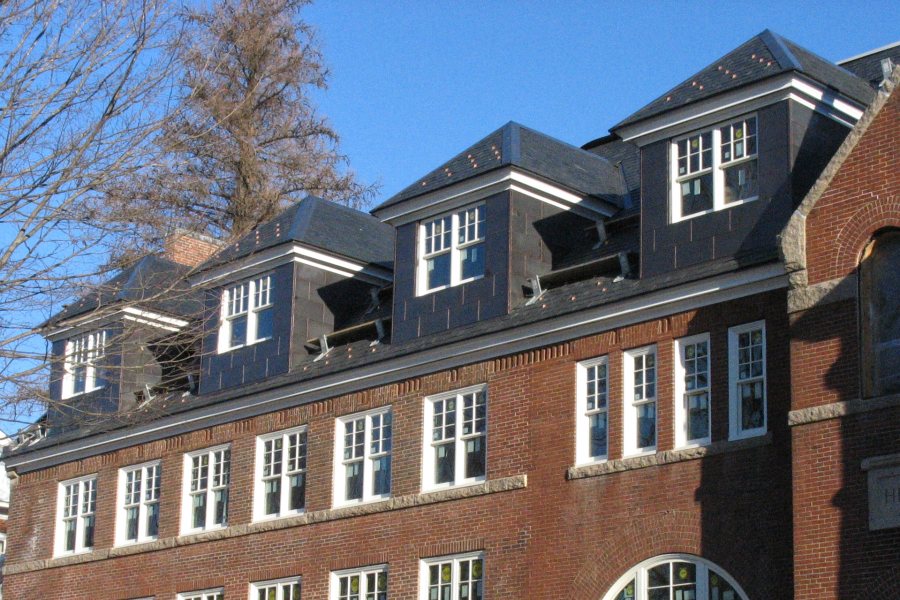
pixel 190 248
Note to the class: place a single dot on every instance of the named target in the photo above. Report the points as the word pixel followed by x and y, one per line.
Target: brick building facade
pixel 629 370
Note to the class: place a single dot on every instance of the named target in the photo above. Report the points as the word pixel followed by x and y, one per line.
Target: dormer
pixel 727 154
pixel 474 234
pixel 275 296
pixel 124 342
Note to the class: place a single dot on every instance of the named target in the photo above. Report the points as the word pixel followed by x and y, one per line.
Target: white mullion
pixel 455 269
pixel 718 171
pixel 285 478
pixel 251 313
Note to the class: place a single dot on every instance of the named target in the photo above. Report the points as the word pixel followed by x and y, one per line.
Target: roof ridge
pixel 776 45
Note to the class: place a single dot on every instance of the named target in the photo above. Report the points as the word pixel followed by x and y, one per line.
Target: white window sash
pixel 143 504
pixel 250 311
pixel 456 560
pixel 187 508
pixel 362 573
pixel 368 458
pixel 82 351
pixel 630 429
pixel 454 249
pixel 583 414
pixel 284 477
pixel 81 514
pixel 280 586
pixel 681 394
pixel 429 476
pixel 735 408
pixel 717 169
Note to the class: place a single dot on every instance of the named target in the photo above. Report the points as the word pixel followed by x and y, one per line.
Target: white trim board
pixel 734 103
pixel 487 184
pixel 551 331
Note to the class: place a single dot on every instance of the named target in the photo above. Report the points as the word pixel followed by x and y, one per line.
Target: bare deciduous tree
pixel 244 139
pixel 78 83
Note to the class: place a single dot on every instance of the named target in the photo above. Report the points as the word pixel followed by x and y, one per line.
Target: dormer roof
pixel 321 224
pixel 761 57
pixel 151 283
pixel 518 146
pixel 868 65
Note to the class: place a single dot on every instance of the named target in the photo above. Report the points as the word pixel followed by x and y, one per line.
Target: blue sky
pixel 415 82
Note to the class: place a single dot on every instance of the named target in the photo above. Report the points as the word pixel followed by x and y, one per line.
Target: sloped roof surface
pixel 154 282
pixel 868 66
pixel 626 156
pixel 322 224
pixel 516 145
pixel 762 56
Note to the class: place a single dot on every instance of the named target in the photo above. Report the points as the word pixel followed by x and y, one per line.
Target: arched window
pixel 879 279
pixel 676 577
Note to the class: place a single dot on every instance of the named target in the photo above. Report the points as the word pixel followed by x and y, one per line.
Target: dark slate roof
pixel 626 156
pixel 762 56
pixel 868 66
pixel 322 224
pixel 154 282
pixel 566 299
pixel 517 145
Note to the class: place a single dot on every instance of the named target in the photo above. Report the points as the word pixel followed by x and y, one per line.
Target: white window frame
pixel 143 504
pixel 368 458
pixel 86 485
pixel 362 572
pixel 84 350
pixel 210 594
pixel 299 465
pixel 426 564
pixel 280 585
pixel 735 430
pixel 630 412
pixel 638 573
pixel 717 168
pixel 216 480
pixel 455 248
pixel 682 394
pixel 430 447
pixel 585 413
pixel 257 299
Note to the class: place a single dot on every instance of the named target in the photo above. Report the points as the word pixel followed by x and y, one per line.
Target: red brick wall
pixel 190 249
pixel 555 539
pixel 836 556
pixel 862 198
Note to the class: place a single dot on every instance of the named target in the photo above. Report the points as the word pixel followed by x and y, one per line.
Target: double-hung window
pixel 369 583
pixel 715 168
pixel 138 519
pixel 455 438
pixel 77 506
pixel 593 410
pixel 692 385
pixel 80 369
pixel 747 379
pixel 458 577
pixel 206 477
pixel 640 400
pixel 281 589
pixel 363 457
pixel 217 594
pixel 451 249
pixel 280 488
pixel 247 314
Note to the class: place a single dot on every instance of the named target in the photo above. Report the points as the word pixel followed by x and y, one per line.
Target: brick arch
pixel 876 213
pixel 646 536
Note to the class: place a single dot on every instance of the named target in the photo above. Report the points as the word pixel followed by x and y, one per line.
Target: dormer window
pixel 82 354
pixel 451 249
pixel 715 169
pixel 247 314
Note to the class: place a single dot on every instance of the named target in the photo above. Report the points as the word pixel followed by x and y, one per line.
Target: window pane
pixel 198 503
pixel 298 492
pixel 153 520
pixel 438 271
pixel 627 592
pixel 475 457
pixel 646 430
pixel 698 416
pixel 221 506
pixel 741 182
pixel 70 534
pixel 752 404
pixel 265 324
pixel 131 523
pixel 273 496
pixel 89 531
pixel 598 435
pixel 472 261
pixel 354 480
pixel 445 463
pixel 381 471
pixel 238 330
pixel 696 194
